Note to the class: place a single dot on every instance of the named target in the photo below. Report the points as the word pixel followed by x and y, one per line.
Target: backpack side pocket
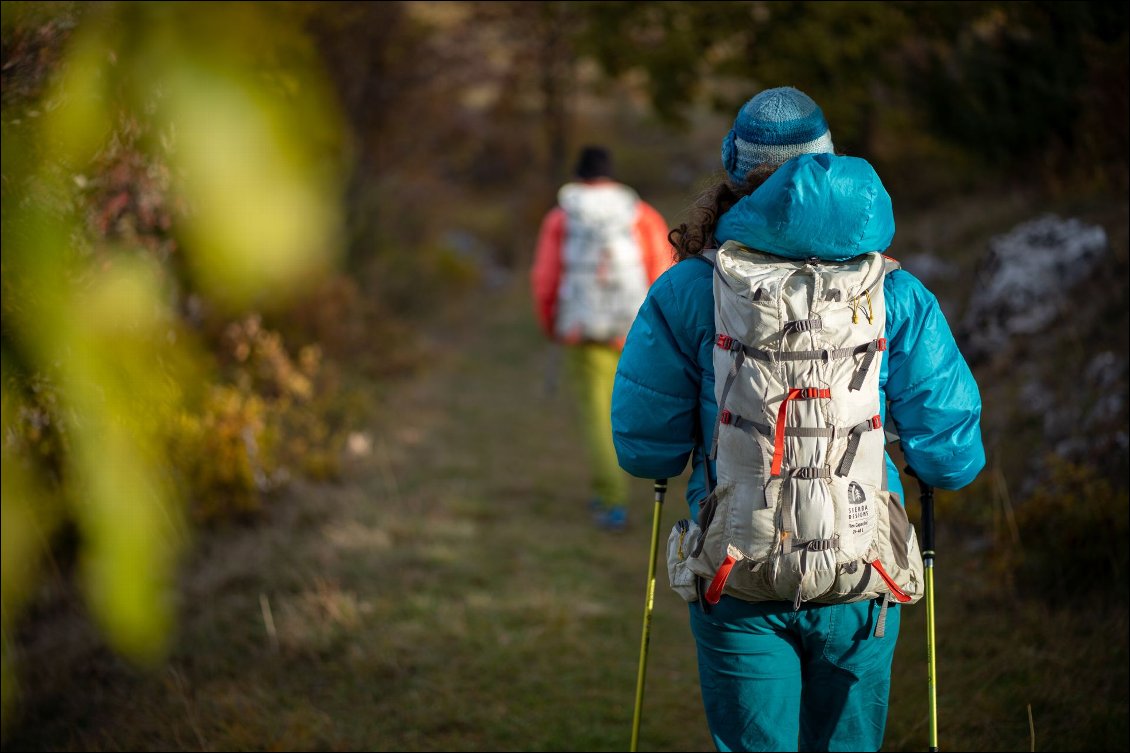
pixel 898 550
pixel 680 543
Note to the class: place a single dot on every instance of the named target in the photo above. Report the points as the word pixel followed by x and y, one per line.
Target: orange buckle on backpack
pixel 811 393
pixel 725 342
pixel 876 422
pixel 725 417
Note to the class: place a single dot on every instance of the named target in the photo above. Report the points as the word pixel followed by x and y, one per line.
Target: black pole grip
pixel 926 497
pixel 927 517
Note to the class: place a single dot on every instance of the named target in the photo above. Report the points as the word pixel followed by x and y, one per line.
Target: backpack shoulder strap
pixel 707 255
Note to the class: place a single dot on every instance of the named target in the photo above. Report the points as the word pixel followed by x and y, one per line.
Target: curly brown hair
pixel 690 239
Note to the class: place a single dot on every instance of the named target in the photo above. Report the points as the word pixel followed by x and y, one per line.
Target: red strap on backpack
pixel 897 592
pixel 795 393
pixel 714 593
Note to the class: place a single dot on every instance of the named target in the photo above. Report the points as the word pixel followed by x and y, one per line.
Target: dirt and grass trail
pixel 452 594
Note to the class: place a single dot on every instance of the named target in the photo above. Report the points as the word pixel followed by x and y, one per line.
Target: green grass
pixel 452 594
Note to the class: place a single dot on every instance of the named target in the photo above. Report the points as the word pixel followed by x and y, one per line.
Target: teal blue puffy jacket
pixel 820 205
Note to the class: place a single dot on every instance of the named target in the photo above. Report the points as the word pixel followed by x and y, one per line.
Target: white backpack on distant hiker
pixel 800 511
pixel 604 280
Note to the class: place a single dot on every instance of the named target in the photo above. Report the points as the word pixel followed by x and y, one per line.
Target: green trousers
pixel 591 370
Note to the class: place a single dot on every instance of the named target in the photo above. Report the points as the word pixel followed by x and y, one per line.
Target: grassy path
pixel 452 595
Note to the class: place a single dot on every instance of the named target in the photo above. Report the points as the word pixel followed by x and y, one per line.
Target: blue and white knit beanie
pixel 772 128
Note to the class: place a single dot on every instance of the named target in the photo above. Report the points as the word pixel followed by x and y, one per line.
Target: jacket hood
pixel 814 205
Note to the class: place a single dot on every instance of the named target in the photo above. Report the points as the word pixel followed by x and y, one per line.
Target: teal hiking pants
pixel 591 369
pixel 774 679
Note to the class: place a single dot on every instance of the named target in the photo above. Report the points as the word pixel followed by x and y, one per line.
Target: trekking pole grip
pixel 927 497
pixel 660 489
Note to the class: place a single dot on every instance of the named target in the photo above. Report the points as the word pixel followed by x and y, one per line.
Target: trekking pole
pixel 927 498
pixel 660 492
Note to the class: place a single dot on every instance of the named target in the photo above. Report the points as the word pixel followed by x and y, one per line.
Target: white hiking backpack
pixel 801 510
pixel 604 280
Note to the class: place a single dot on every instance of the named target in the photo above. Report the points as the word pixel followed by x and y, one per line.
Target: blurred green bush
pixel 169 173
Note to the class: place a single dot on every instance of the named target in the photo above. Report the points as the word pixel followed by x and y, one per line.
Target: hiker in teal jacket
pixel 775 678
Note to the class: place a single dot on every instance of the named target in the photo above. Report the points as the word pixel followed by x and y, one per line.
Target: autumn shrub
pixel 223 457
pixel 269 417
pixel 262 421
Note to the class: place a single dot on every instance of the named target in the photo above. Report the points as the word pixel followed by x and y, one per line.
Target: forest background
pixel 275 409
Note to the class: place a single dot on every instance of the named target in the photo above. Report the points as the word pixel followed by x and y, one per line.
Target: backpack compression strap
pixel 794 393
pixel 868 349
pixel 728 418
pixel 740 349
